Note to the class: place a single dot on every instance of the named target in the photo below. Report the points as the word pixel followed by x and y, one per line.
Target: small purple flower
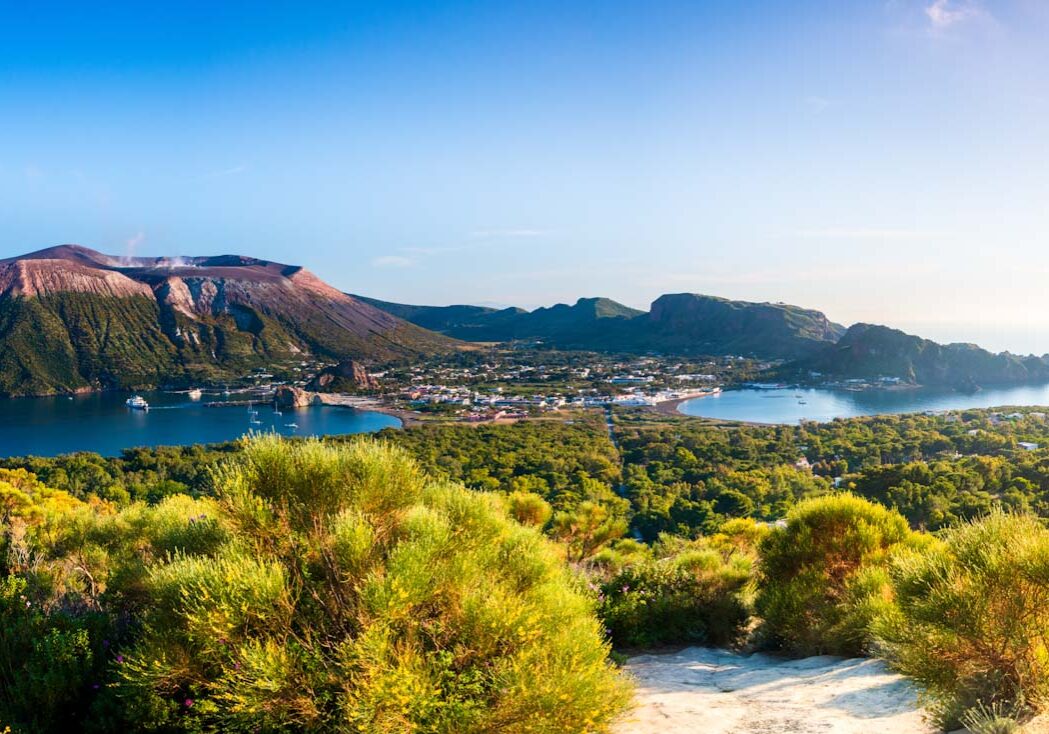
pixel 120 658
pixel 625 589
pixel 189 702
pixel 95 686
pixel 105 643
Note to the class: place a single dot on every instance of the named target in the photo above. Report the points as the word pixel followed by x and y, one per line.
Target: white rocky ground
pixel 717 692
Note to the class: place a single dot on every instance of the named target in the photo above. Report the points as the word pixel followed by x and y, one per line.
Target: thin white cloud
pixel 869 233
pixel 510 232
pixel 440 250
pixel 231 171
pixel 770 276
pixel 946 13
pixel 817 104
pixel 392 261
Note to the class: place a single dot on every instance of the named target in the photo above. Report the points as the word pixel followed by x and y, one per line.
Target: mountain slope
pixel 697 324
pixel 585 324
pixel 445 319
pixel 72 318
pixel 681 323
pixel 868 351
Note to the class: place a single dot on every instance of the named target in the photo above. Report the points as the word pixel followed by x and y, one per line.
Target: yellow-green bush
pixel 679 591
pixel 72 589
pixel 823 577
pixel 354 595
pixel 971 621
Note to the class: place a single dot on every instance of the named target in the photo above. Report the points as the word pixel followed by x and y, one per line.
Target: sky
pixel 880 160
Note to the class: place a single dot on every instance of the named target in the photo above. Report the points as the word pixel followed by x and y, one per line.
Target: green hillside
pixel 682 323
pixel 868 351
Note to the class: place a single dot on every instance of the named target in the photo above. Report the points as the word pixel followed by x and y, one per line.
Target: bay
pixel 793 405
pixel 102 423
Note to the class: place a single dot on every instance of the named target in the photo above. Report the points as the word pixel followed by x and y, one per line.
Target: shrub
pixel 682 592
pixel 990 719
pixel 73 586
pixel 48 661
pixel 586 529
pixel 972 616
pixel 354 595
pixel 529 508
pixel 823 577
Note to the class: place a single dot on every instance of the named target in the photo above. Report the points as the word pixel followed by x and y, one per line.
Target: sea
pixel 102 423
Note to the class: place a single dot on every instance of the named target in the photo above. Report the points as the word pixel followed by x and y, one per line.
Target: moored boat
pixel 137 402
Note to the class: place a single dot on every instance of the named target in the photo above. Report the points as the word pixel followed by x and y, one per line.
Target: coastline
pixel 407 418
pixel 670 407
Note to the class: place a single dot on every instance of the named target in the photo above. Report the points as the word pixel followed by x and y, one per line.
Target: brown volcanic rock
pixel 72 317
pixel 202 287
pixel 348 373
pixel 292 397
pixel 42 277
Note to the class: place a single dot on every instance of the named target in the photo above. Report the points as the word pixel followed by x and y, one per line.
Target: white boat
pixel 291 425
pixel 195 393
pixel 137 402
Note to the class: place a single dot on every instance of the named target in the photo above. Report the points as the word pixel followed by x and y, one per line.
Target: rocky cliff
pixel 347 376
pixel 870 351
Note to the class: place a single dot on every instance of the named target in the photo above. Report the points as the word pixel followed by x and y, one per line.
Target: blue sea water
pixel 792 405
pixel 100 422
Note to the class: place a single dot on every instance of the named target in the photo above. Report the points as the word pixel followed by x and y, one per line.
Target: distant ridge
pixel 682 323
pixel 870 351
pixel 693 324
pixel 72 318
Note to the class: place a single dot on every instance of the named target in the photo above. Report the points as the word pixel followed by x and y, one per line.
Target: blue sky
pixel 881 161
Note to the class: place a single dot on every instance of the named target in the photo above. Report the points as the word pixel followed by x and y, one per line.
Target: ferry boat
pixel 137 402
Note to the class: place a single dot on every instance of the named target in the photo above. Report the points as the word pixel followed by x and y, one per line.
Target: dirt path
pixel 718 692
